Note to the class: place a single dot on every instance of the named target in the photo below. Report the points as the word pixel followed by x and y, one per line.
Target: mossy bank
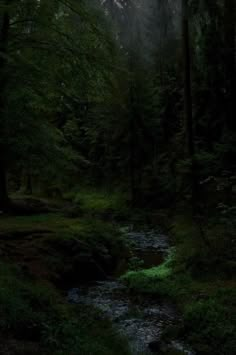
pixel 41 256
pixel 207 300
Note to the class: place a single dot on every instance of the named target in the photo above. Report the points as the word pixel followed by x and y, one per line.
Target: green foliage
pixel 52 47
pixel 205 247
pixel 102 111
pixel 211 323
pixel 34 312
pixel 198 278
pixel 58 228
pixel 24 305
pixel 63 250
pixel 84 101
pixel 208 307
pixel 99 203
pixel 135 264
pixel 150 279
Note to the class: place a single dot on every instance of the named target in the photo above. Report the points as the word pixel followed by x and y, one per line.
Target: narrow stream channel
pixel 141 321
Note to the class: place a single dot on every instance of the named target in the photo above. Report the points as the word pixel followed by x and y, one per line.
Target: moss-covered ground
pixel 40 256
pixel 206 297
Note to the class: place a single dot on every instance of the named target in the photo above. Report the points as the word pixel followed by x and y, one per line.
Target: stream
pixel 141 321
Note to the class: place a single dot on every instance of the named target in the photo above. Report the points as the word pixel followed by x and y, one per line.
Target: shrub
pixel 211 325
pixel 31 312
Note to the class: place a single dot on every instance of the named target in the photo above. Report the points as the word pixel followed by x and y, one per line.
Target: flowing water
pixel 141 321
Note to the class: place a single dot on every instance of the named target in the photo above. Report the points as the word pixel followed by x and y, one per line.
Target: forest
pixel 117 177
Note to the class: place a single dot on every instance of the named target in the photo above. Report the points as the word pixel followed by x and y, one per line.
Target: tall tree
pixel 4 38
pixel 230 60
pixel 188 99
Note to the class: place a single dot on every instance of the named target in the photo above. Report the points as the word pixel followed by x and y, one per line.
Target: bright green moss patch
pixel 208 307
pixel 148 280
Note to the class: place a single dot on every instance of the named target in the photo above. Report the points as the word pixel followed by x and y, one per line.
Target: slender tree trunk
pixel 28 187
pixel 4 34
pixel 3 190
pixel 230 60
pixel 188 101
pixel 132 148
pixel 187 80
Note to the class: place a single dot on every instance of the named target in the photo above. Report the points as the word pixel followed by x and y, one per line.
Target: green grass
pixel 88 229
pixel 34 319
pixel 52 222
pixel 100 203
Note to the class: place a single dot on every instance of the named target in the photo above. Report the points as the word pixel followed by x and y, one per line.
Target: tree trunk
pixel 4 201
pixel 4 34
pixel 230 61
pixel 29 188
pixel 187 80
pixel 132 149
pixel 188 102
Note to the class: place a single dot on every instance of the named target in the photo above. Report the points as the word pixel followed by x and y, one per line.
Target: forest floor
pixel 40 256
pixel 43 254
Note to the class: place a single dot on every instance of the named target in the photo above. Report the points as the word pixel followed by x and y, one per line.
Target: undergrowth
pixel 206 299
pixel 34 319
pixel 100 203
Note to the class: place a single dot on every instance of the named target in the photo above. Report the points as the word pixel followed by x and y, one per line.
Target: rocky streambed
pixel 141 320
